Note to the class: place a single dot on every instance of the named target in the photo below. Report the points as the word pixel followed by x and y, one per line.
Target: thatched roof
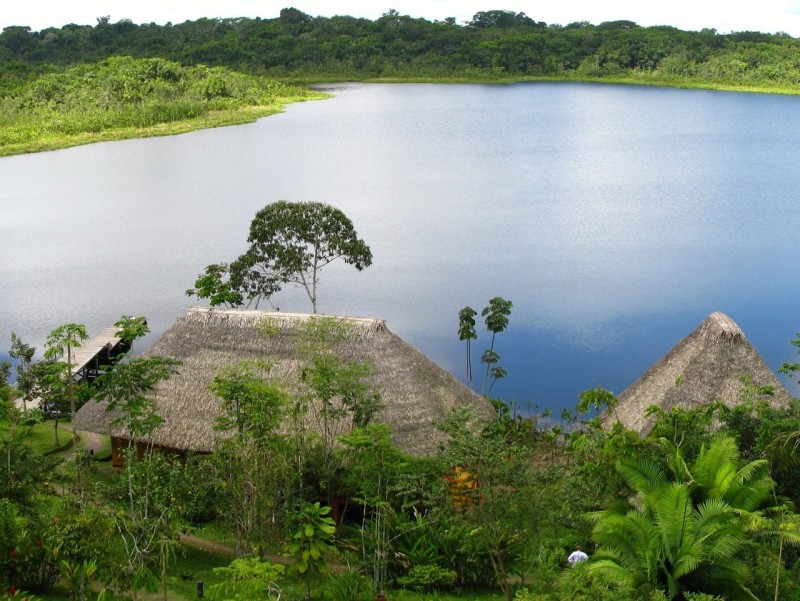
pixel 414 390
pixel 706 366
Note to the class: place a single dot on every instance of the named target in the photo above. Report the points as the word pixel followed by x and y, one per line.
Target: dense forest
pixel 494 44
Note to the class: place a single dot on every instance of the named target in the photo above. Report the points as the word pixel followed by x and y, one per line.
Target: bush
pixel 428 578
pixel 580 584
pixel 349 586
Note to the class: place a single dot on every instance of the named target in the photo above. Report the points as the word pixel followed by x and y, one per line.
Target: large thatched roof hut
pixel 706 366
pixel 415 391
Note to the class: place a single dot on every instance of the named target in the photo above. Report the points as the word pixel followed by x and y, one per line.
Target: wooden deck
pixel 97 352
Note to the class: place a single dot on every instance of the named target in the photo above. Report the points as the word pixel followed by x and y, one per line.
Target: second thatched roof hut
pixel 415 392
pixel 706 366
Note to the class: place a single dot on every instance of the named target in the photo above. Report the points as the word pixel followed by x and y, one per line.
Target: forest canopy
pixel 493 44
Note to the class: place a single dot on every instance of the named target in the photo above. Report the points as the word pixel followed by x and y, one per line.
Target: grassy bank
pixel 123 98
pixel 218 118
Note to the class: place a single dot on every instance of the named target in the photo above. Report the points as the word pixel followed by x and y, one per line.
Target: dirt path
pixel 206 545
pixel 91 441
pixel 209 545
pixel 215 547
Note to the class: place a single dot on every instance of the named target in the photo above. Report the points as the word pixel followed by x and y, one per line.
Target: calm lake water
pixel 615 218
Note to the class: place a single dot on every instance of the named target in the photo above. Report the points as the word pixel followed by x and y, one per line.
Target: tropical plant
pixel 311 543
pixel 248 578
pixel 489 470
pixel 372 465
pixel 251 466
pixel 350 585
pixel 426 578
pixel 685 530
pixel 130 389
pixel 466 332
pixel 62 342
pixel 496 318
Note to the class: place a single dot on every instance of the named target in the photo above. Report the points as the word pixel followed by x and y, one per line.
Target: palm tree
pixel 60 342
pixel 684 530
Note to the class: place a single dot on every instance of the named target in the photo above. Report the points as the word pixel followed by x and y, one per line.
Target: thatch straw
pixel 414 390
pixel 706 366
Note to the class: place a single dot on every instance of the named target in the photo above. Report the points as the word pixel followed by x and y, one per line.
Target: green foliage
pixel 349 586
pixel 372 467
pixel 248 578
pixel 60 343
pixel 495 493
pixel 219 285
pixel 291 242
pixel 131 328
pixel 130 387
pixel 78 543
pixel 466 332
pixel 17 596
pixel 311 543
pixel 23 353
pixel 251 467
pixel 23 472
pixel 427 578
pixel 72 104
pixel 684 532
pixel 249 400
pixel 496 317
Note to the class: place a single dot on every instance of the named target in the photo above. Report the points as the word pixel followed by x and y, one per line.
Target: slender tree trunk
pixel 500 573
pixel 8 455
pixel 71 385
pixel 778 571
pixel 469 363
pixel 488 367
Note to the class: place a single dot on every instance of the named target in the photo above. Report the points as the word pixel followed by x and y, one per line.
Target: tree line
pixel 493 44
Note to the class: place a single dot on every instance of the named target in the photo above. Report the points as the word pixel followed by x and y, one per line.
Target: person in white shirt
pixel 577 556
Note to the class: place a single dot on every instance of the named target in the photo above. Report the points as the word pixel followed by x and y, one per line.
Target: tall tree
pixel 496 314
pixel 62 342
pixel 130 389
pixel 291 242
pixel 466 331
pixel 131 328
pixel 252 466
pixel 24 354
pixel 490 475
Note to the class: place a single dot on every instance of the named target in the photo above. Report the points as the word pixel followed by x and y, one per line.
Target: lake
pixel 616 218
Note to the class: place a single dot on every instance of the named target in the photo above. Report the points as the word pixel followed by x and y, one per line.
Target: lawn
pixel 41 437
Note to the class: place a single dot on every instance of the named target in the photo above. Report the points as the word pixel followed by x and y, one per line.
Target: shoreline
pixel 250 114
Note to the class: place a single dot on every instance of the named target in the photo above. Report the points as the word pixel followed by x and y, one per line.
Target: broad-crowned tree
pixel 291 242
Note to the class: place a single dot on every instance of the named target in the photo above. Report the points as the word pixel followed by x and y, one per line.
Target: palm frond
pixel 641 475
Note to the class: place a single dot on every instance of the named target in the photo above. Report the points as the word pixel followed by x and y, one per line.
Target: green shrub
pixel 428 578
pixel 349 586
